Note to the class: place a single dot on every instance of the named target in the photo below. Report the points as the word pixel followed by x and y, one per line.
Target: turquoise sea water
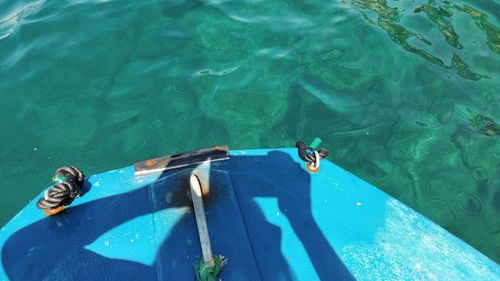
pixel 403 93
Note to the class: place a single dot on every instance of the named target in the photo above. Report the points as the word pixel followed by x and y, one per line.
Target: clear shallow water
pixel 404 94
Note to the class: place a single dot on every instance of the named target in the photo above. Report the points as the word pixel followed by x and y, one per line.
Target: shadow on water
pixel 55 247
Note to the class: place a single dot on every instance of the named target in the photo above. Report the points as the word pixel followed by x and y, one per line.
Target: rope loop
pixel 310 155
pixel 69 182
pixel 206 271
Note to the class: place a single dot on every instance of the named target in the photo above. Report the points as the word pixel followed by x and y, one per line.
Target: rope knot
pixel 69 182
pixel 310 155
pixel 208 271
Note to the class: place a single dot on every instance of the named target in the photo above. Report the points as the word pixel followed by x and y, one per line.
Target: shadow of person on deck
pixel 286 181
pixel 54 248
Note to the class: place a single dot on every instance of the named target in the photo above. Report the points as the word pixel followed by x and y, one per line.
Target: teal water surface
pixel 403 93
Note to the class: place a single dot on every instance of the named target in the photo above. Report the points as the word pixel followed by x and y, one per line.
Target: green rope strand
pixel 59 178
pixel 315 143
pixel 205 272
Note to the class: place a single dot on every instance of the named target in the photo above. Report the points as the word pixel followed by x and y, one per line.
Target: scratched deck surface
pixel 265 213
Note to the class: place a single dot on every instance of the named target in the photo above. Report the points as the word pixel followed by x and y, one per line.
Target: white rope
pixel 315 164
pixel 201 222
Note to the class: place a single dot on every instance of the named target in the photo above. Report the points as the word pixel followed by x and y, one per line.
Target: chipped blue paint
pixel 272 219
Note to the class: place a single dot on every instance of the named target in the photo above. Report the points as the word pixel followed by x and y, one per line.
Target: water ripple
pixel 12 22
pixel 401 92
pixel 390 19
